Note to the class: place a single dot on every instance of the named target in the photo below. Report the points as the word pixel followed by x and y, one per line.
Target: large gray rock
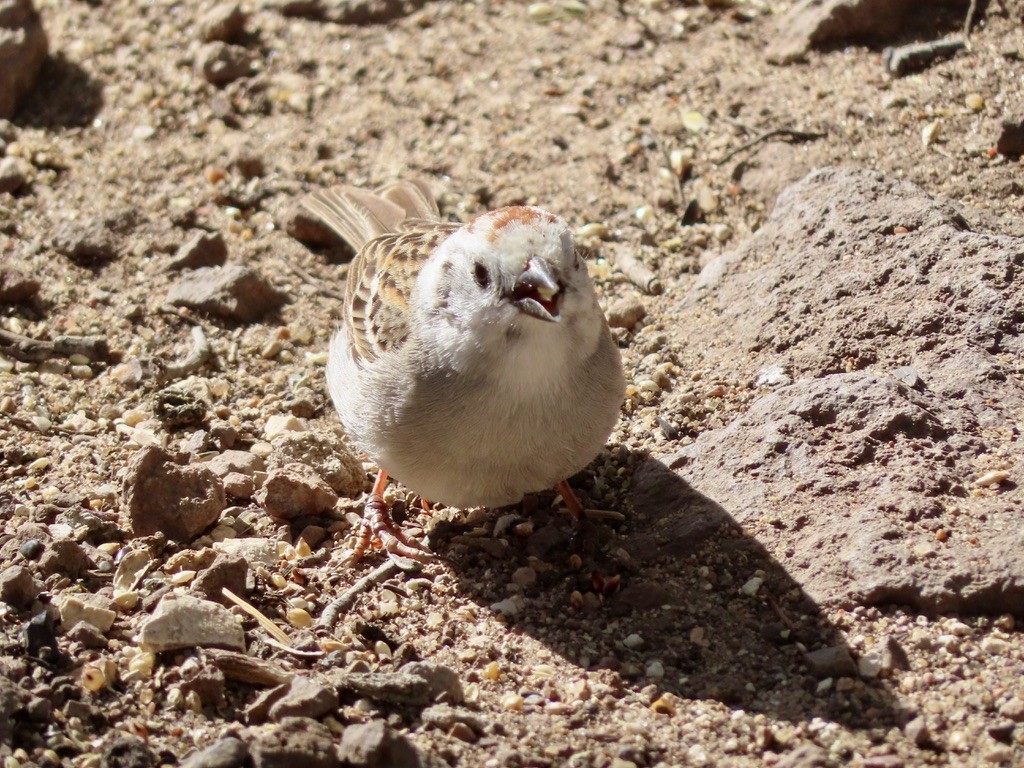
pixel 233 292
pixel 860 486
pixel 183 621
pixel 22 51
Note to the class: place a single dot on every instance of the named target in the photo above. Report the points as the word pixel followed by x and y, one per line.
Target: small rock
pixel 443 683
pixel 31 549
pixel 917 731
pixel 282 423
pixel 16 288
pixel 233 292
pixel 92 609
pixel 18 587
pixel 23 49
pixel 298 741
pixel 834 661
pixel 205 249
pixel 304 698
pixel 226 571
pixel 226 753
pixel 225 22
pixel 180 406
pixel 1011 139
pixel 206 680
pixel 239 486
pixel 626 312
pixel 294 490
pixel 183 621
pixel 222 63
pixel 885 657
pixel 87 634
pixel 65 556
pixel 446 717
pixel 254 551
pixel 1013 710
pixel 772 376
pixel 38 634
pixel 909 376
pixel 241 462
pixel 375 745
pixel 325 451
pixel 85 243
pixel 14 173
pixel 524 577
pixel 163 495
pixel 127 752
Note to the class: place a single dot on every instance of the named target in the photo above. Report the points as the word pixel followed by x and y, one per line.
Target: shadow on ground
pixel 65 96
pixel 686 591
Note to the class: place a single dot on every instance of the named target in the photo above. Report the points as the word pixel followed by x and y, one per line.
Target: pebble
pixel 377 745
pixel 16 288
pixel 293 490
pixel 65 556
pixel 772 376
pixel 31 549
pixel 232 292
pixel 303 697
pixel 236 462
pixel 975 102
pixel 525 576
pixel 224 22
pixel 834 661
pixel 255 551
pixel 14 174
pixel 1011 139
pixel 221 63
pixel 204 249
pixel 282 423
pixel 183 621
pixel 626 312
pixel 92 609
pixel 163 494
pixel 18 588
pixel 633 641
pixel 992 477
pixel 325 451
pixel 229 752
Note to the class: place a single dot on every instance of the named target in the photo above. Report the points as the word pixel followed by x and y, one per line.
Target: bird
pixel 473 363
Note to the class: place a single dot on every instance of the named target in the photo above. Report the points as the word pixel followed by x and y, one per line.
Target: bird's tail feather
pixel 358 215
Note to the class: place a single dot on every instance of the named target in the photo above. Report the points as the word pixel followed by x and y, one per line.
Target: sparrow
pixel 473 363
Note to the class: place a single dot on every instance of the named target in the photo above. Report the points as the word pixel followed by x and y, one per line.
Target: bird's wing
pixel 380 282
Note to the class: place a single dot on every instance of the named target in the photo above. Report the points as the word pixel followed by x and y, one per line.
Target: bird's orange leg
pixel 377 522
pixel 572 502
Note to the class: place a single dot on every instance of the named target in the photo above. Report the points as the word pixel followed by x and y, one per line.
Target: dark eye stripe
pixel 481 275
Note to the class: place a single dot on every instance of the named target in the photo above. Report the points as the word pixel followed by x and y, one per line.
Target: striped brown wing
pixel 380 283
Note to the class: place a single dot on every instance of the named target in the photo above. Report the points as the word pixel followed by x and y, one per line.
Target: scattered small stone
pixel 16 288
pixel 524 577
pixel 375 745
pixel 23 49
pixel 87 243
pixel 772 376
pixel 834 661
pixel 38 634
pixel 183 621
pixel 883 658
pixel 294 490
pixel 402 687
pixel 18 587
pixel 92 609
pixel 204 249
pixel 233 292
pixel 297 741
pixel 1011 139
pixel 282 423
pixel 128 752
pixel 87 634
pixel 443 683
pixel 325 450
pixel 14 174
pixel 918 732
pixel 221 63
pixel 31 549
pixel 626 312
pixel 226 753
pixel 255 551
pixel 1013 710
pixel 302 697
pixel 225 22
pixel 239 486
pixel 909 376
pixel 180 406
pixel 226 570
pixel 240 462
pixel 203 679
pixel 165 495
pixel 446 717
pixel 65 556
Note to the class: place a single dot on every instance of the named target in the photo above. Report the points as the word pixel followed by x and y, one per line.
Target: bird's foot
pixel 378 524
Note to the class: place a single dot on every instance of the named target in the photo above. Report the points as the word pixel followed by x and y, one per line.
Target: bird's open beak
pixel 536 291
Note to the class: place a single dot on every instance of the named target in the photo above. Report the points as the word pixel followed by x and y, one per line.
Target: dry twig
pixel 637 272
pixel 332 613
pixel 788 133
pixel 272 629
pixel 193 361
pixel 29 350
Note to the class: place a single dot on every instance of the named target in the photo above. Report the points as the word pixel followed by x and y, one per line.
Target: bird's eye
pixel 481 275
